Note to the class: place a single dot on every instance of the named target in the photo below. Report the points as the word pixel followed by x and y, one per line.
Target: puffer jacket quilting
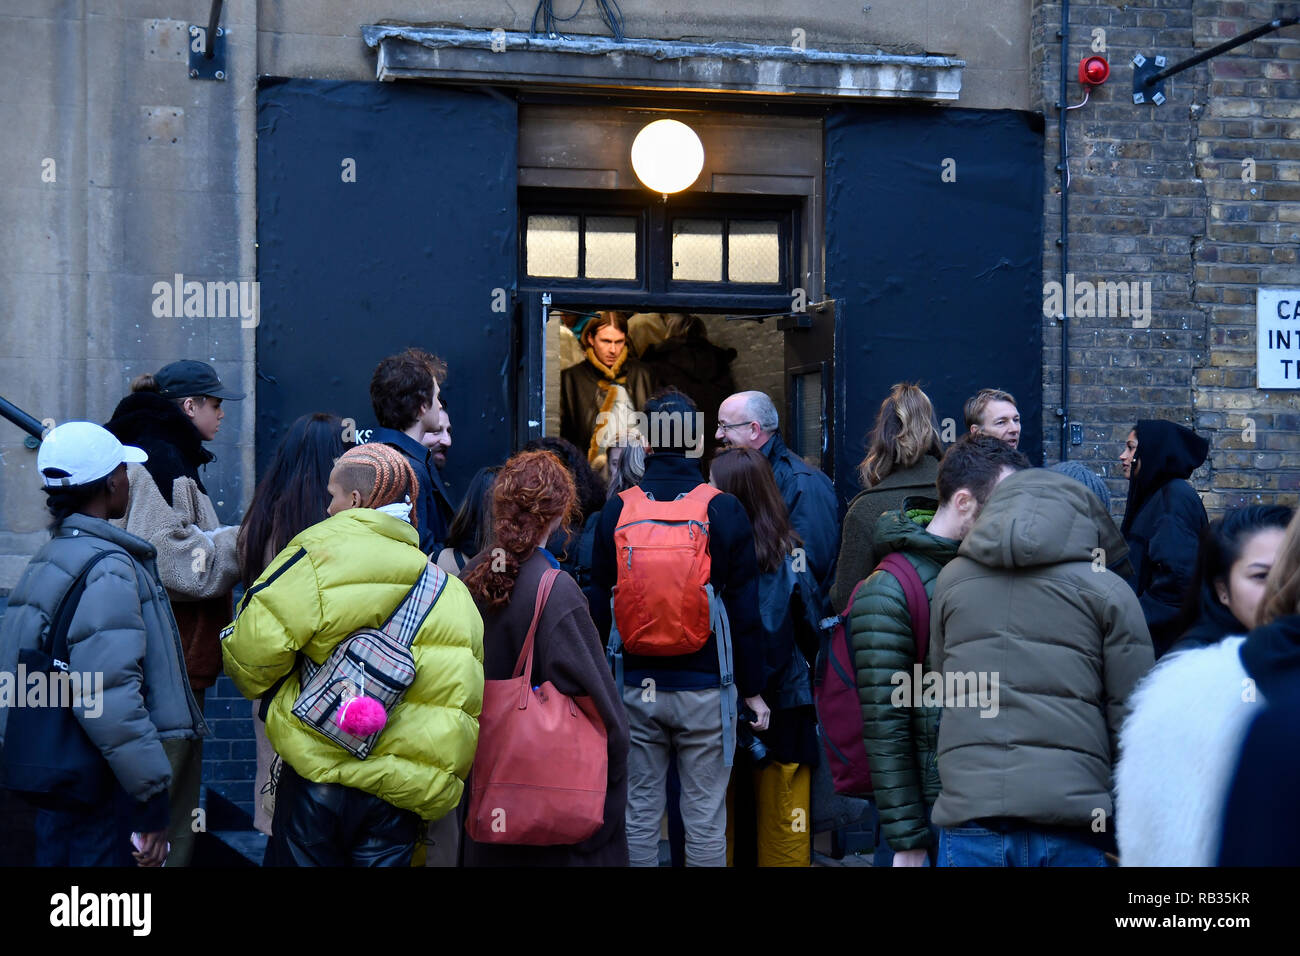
pixel 345 573
pixel 900 741
pixel 123 629
pixel 1029 598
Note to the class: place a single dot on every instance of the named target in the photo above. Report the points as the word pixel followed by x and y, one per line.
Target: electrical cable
pixel 609 10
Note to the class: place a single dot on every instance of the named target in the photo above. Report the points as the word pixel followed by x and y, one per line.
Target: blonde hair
pixel 1282 586
pixel 903 434
pixel 981 400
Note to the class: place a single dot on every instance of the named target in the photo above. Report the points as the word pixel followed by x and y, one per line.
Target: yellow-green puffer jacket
pixel 348 572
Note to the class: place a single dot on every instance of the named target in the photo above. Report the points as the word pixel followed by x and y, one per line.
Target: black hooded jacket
pixel 174 445
pixel 1261 826
pixel 1271 656
pixel 1163 522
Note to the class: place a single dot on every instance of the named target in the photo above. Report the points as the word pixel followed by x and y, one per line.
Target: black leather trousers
pixel 326 824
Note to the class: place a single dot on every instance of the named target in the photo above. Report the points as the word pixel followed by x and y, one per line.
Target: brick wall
pixel 229 755
pixel 1157 196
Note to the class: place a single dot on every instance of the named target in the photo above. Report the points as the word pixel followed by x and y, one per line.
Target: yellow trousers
pixel 782 792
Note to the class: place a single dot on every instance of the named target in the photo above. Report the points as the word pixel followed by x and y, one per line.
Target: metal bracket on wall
pixel 1143 69
pixel 1149 76
pixel 207 63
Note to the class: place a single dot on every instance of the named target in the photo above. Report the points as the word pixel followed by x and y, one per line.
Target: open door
pixel 532 313
pixel 809 385
pixel 386 219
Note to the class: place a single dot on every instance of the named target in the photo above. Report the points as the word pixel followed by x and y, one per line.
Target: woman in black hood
pixel 1163 520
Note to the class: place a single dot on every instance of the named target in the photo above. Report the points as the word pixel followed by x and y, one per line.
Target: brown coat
pixel 857 544
pixel 569 654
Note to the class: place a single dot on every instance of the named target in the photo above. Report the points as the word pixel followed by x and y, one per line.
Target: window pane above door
pixel 610 247
pixel 753 251
pixel 697 250
pixel 552 246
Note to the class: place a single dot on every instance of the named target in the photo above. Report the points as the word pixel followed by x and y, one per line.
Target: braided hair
pixel 381 474
pixel 530 491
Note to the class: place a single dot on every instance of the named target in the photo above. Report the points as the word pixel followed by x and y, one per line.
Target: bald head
pixel 746 420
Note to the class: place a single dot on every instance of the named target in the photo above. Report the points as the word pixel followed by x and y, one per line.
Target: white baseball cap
pixel 85 451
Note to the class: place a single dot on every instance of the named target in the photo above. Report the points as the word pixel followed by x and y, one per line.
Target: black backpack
pixel 48 760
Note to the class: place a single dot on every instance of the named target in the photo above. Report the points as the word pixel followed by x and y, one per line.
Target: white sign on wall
pixel 1277 338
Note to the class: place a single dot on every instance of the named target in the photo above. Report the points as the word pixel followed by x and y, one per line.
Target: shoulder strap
pixel 918 605
pixel 827 628
pixel 524 665
pixel 62 620
pixel 405 621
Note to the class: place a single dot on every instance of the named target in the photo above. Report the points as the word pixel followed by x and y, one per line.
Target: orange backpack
pixel 661 600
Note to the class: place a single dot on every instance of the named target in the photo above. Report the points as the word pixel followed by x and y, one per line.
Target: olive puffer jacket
pixel 900 740
pixel 123 629
pixel 348 572
pixel 1029 599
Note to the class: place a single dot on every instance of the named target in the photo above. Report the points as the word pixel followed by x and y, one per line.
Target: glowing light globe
pixel 667 156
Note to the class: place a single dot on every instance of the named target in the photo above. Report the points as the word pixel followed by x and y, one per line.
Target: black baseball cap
pixel 187 377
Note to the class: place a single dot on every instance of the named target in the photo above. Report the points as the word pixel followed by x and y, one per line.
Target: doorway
pixel 706 354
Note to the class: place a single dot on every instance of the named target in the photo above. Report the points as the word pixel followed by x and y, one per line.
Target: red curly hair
pixel 531 490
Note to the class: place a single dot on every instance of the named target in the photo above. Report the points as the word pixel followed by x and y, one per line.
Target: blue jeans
pixel 975 845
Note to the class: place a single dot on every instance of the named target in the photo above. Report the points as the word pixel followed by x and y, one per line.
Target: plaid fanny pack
pixel 370 663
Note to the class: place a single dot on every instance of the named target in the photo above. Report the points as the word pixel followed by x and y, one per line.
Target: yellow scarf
pixel 615 375
pixel 609 377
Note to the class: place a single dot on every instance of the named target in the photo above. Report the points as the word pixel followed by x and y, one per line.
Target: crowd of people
pixel 1030 684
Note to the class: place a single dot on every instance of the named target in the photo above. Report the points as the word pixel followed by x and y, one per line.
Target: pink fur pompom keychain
pixel 361 716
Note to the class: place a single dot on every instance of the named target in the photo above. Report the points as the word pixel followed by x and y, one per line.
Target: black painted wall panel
pixel 940 282
pixel 408 254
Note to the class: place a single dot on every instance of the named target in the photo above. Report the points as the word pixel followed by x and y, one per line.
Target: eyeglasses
pixel 724 426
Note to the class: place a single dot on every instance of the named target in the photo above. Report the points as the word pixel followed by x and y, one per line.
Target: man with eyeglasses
pixel 750 420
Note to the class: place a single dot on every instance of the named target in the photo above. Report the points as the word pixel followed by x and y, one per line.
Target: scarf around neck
pixel 612 376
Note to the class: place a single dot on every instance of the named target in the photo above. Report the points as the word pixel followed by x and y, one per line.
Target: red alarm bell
pixel 1093 70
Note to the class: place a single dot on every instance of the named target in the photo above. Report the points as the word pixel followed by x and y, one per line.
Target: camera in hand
pixel 747 739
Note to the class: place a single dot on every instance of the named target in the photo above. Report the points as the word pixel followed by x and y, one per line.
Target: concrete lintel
pixel 518 59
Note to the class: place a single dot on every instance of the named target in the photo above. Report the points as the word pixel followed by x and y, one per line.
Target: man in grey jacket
pixel 122 642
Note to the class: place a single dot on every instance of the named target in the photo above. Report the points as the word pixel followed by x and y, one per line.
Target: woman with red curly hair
pixel 532 499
